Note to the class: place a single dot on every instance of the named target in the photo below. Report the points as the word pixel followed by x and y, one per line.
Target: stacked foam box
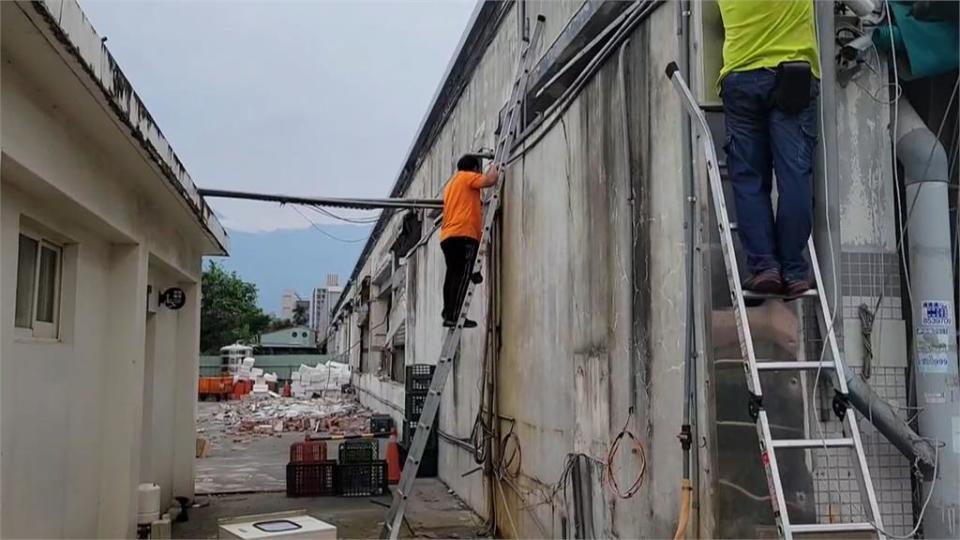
pixel 323 378
pixel 246 372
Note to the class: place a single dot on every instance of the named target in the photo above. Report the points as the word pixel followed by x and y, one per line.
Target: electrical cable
pixel 627 21
pixel 923 509
pixel 612 454
pixel 325 233
pixel 328 213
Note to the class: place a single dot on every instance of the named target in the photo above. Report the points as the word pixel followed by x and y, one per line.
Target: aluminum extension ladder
pixel 768 445
pixel 394 520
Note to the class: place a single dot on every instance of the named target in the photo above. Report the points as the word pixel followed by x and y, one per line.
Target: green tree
pixel 228 310
pixel 300 315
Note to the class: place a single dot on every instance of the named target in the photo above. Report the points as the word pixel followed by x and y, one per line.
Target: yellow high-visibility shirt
pixel 764 33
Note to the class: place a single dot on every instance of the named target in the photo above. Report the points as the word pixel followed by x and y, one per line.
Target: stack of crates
pixel 417 385
pixel 360 472
pixel 309 473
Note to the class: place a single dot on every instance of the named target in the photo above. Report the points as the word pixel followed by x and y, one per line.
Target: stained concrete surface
pixel 256 464
pixel 239 462
pixel 433 512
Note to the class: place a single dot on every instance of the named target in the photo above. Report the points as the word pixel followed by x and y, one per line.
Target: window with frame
pixel 39 271
pixel 398 364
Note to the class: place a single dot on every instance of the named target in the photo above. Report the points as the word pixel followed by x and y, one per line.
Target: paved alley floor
pixel 433 512
pixel 255 465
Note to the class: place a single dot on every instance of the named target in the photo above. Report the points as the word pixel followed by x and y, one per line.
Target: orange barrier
pixel 220 387
pixel 393 458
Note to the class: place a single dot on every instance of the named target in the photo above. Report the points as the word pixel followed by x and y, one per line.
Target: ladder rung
pixel 809 293
pixel 811 443
pixel 831 527
pixel 790 366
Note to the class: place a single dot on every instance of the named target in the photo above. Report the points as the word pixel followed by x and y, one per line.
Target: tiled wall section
pixel 867 276
pixel 836 484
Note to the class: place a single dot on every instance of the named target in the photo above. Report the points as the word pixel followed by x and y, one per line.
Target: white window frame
pixel 43 329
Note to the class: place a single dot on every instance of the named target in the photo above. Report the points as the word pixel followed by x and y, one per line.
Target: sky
pixel 303 98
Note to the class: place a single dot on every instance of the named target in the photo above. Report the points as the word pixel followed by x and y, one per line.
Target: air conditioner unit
pixel 284 525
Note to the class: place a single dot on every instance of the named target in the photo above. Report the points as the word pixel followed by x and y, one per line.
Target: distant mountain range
pixel 298 259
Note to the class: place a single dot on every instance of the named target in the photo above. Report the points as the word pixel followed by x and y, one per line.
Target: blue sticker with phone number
pixel 935 313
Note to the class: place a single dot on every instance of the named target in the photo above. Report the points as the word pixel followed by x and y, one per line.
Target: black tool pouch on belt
pixel 793 86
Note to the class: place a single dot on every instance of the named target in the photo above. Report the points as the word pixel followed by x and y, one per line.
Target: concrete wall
pixel 564 381
pixel 594 208
pixel 110 401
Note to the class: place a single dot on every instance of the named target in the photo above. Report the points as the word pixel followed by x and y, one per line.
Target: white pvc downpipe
pixel 926 212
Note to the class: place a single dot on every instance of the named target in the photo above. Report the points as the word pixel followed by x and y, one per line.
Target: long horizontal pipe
pixel 331 202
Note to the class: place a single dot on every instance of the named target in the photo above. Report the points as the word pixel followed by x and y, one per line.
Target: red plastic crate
pixel 308 451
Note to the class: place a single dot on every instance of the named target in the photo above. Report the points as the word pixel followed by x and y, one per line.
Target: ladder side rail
pixel 839 366
pixel 771 468
pixel 723 222
pixel 394 520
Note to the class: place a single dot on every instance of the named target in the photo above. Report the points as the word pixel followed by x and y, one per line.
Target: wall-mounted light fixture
pixel 173 298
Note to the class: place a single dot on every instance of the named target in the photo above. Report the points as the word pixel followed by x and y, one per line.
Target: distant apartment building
pixel 288 303
pixel 102 234
pixel 322 303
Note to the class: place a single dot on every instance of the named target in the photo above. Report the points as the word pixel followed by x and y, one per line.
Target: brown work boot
pixel 766 282
pixel 794 288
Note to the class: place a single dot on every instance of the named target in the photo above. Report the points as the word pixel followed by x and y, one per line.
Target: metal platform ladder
pixel 768 445
pixel 508 132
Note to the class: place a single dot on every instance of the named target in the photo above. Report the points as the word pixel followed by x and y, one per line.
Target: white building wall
pixel 110 401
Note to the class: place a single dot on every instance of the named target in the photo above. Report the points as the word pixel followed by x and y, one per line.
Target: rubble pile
pixel 267 415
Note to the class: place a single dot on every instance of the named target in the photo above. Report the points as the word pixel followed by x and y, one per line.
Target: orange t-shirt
pixel 461 206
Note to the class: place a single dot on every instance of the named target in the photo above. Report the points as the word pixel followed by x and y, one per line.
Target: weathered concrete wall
pixel 565 372
pixel 566 256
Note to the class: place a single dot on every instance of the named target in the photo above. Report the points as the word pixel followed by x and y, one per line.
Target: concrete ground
pixel 433 512
pixel 258 464
pixel 245 474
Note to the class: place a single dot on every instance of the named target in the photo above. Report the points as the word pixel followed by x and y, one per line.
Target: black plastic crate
pixel 418 377
pixel 311 479
pixel 414 405
pixel 359 450
pixel 411 427
pixel 381 423
pixel 429 463
pixel 362 479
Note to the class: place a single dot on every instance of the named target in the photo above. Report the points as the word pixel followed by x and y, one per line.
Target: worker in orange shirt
pixel 461 231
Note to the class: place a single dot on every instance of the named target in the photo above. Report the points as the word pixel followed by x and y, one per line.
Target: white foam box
pixel 286 525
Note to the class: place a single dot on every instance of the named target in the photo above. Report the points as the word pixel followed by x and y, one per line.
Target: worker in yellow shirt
pixel 769 85
pixel 461 231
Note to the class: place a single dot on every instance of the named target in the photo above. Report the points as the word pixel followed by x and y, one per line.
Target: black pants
pixel 459 253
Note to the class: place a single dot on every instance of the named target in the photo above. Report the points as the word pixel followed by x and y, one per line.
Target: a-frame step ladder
pixel 508 132
pixel 768 445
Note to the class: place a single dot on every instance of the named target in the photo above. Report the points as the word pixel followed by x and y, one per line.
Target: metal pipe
pixel 826 229
pixel 936 376
pixel 686 435
pixel 332 202
pixel 883 417
pixel 625 147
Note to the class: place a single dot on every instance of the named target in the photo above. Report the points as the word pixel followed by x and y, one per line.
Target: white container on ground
pixel 148 503
pixel 286 525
